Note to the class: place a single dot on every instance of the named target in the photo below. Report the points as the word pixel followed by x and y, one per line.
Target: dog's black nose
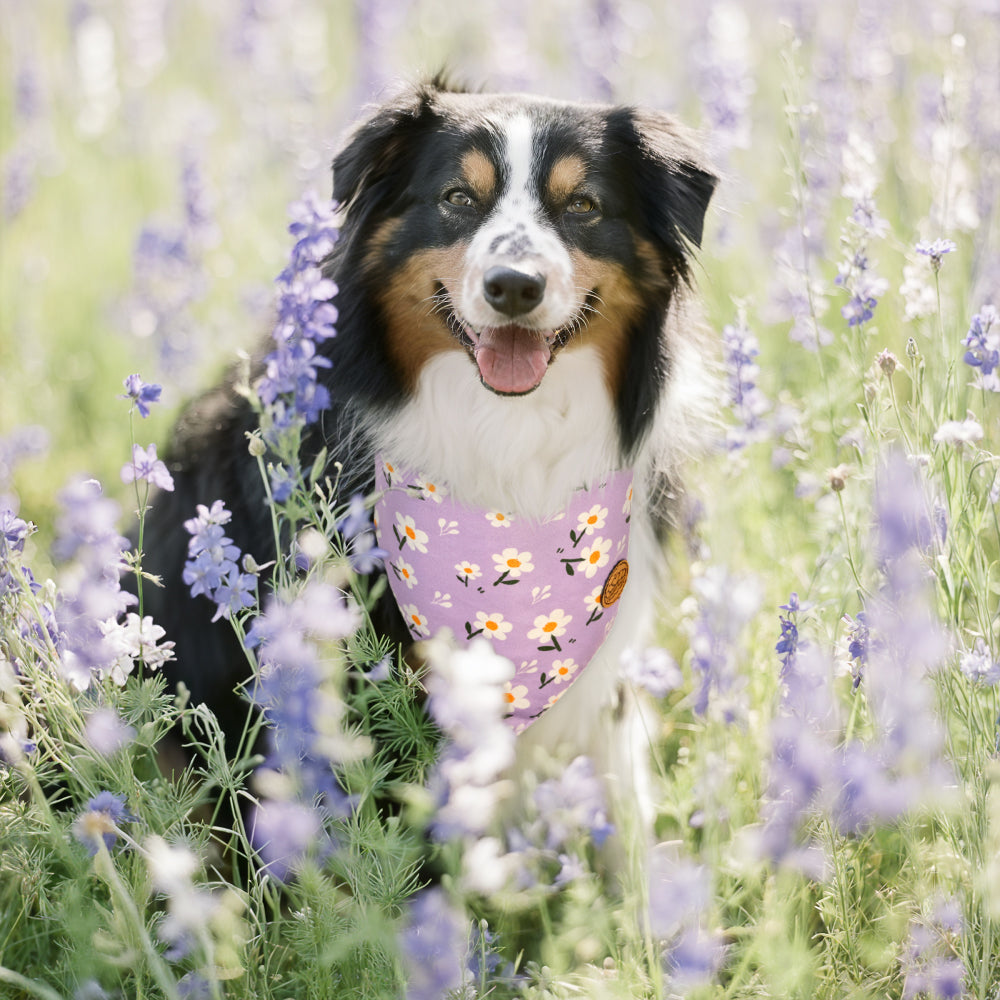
pixel 512 292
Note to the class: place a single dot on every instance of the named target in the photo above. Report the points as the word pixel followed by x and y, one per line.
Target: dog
pixel 518 338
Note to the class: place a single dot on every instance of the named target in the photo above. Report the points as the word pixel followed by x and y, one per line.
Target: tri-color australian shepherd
pixel 515 326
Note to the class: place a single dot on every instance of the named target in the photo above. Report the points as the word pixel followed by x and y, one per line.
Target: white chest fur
pixel 523 454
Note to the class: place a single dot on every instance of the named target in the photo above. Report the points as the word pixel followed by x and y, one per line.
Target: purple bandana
pixel 545 592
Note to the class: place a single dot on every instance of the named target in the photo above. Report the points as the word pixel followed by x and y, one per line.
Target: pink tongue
pixel 512 359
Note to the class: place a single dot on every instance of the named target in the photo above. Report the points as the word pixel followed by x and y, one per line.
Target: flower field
pixel 826 679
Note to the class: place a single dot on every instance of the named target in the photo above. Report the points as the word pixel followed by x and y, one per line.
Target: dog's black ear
pixel 379 145
pixel 670 177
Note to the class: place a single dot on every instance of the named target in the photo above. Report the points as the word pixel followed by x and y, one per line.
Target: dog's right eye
pixel 460 199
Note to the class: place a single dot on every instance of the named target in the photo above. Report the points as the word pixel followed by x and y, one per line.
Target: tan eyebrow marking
pixel 479 173
pixel 565 178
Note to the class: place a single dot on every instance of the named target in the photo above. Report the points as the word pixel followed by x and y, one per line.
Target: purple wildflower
pixel 99 821
pixel 748 403
pixel 306 316
pixel 654 670
pixel 979 665
pixel 864 289
pixel 211 568
pixel 788 645
pixel 86 533
pixel 141 393
pixel 803 763
pixel 295 691
pixel 936 250
pixel 105 731
pixel 726 604
pixel 433 944
pixel 146 466
pixel 983 347
pixel 679 895
pixel 13 534
pixel 355 527
pixel 285 833
pixel 572 805
pixel 855 274
pixel 857 648
pixel 931 966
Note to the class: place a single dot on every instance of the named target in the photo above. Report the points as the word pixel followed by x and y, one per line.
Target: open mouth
pixel 512 359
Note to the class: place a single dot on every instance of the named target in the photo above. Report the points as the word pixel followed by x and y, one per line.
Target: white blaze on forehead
pixel 520 154
pixel 517 234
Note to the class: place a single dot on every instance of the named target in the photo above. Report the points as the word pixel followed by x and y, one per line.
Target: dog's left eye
pixel 460 199
pixel 581 205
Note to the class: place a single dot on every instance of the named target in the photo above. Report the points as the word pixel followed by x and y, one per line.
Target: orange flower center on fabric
pixel 563 671
pixel 550 626
pixel 513 563
pixel 595 557
pixel 410 533
pixel 416 619
pixel 592 519
pixel 467 569
pixel 509 695
pixel 492 626
pixel 500 517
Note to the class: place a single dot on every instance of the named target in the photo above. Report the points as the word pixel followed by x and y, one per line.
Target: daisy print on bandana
pixel 510 564
pixel 544 592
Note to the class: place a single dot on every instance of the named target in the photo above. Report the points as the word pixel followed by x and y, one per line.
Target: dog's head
pixel 513 228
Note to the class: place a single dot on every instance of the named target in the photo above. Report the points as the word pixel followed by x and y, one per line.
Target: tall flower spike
pixel 306 317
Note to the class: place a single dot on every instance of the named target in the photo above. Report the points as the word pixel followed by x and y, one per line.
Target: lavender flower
pixel 13 534
pixel 930 964
pixel 854 273
pixel 105 731
pixel 747 401
pixel 146 466
pixel 142 394
pixel 679 896
pixel 936 250
pixel 355 527
pixel 86 533
pixel 102 815
pixel 859 635
pixel 803 764
pixel 979 665
pixel 864 289
pixel 306 317
pixel 654 670
pixel 433 944
pixel 788 645
pixel 572 805
pixel 726 604
pixel 285 833
pixel 211 568
pixel 297 692
pixel 983 343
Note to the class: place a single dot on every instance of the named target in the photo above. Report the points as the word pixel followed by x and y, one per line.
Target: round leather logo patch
pixel 615 583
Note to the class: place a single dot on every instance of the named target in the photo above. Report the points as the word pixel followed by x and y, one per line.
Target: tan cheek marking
pixel 415 330
pixel 619 303
pixel 567 175
pixel 480 174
